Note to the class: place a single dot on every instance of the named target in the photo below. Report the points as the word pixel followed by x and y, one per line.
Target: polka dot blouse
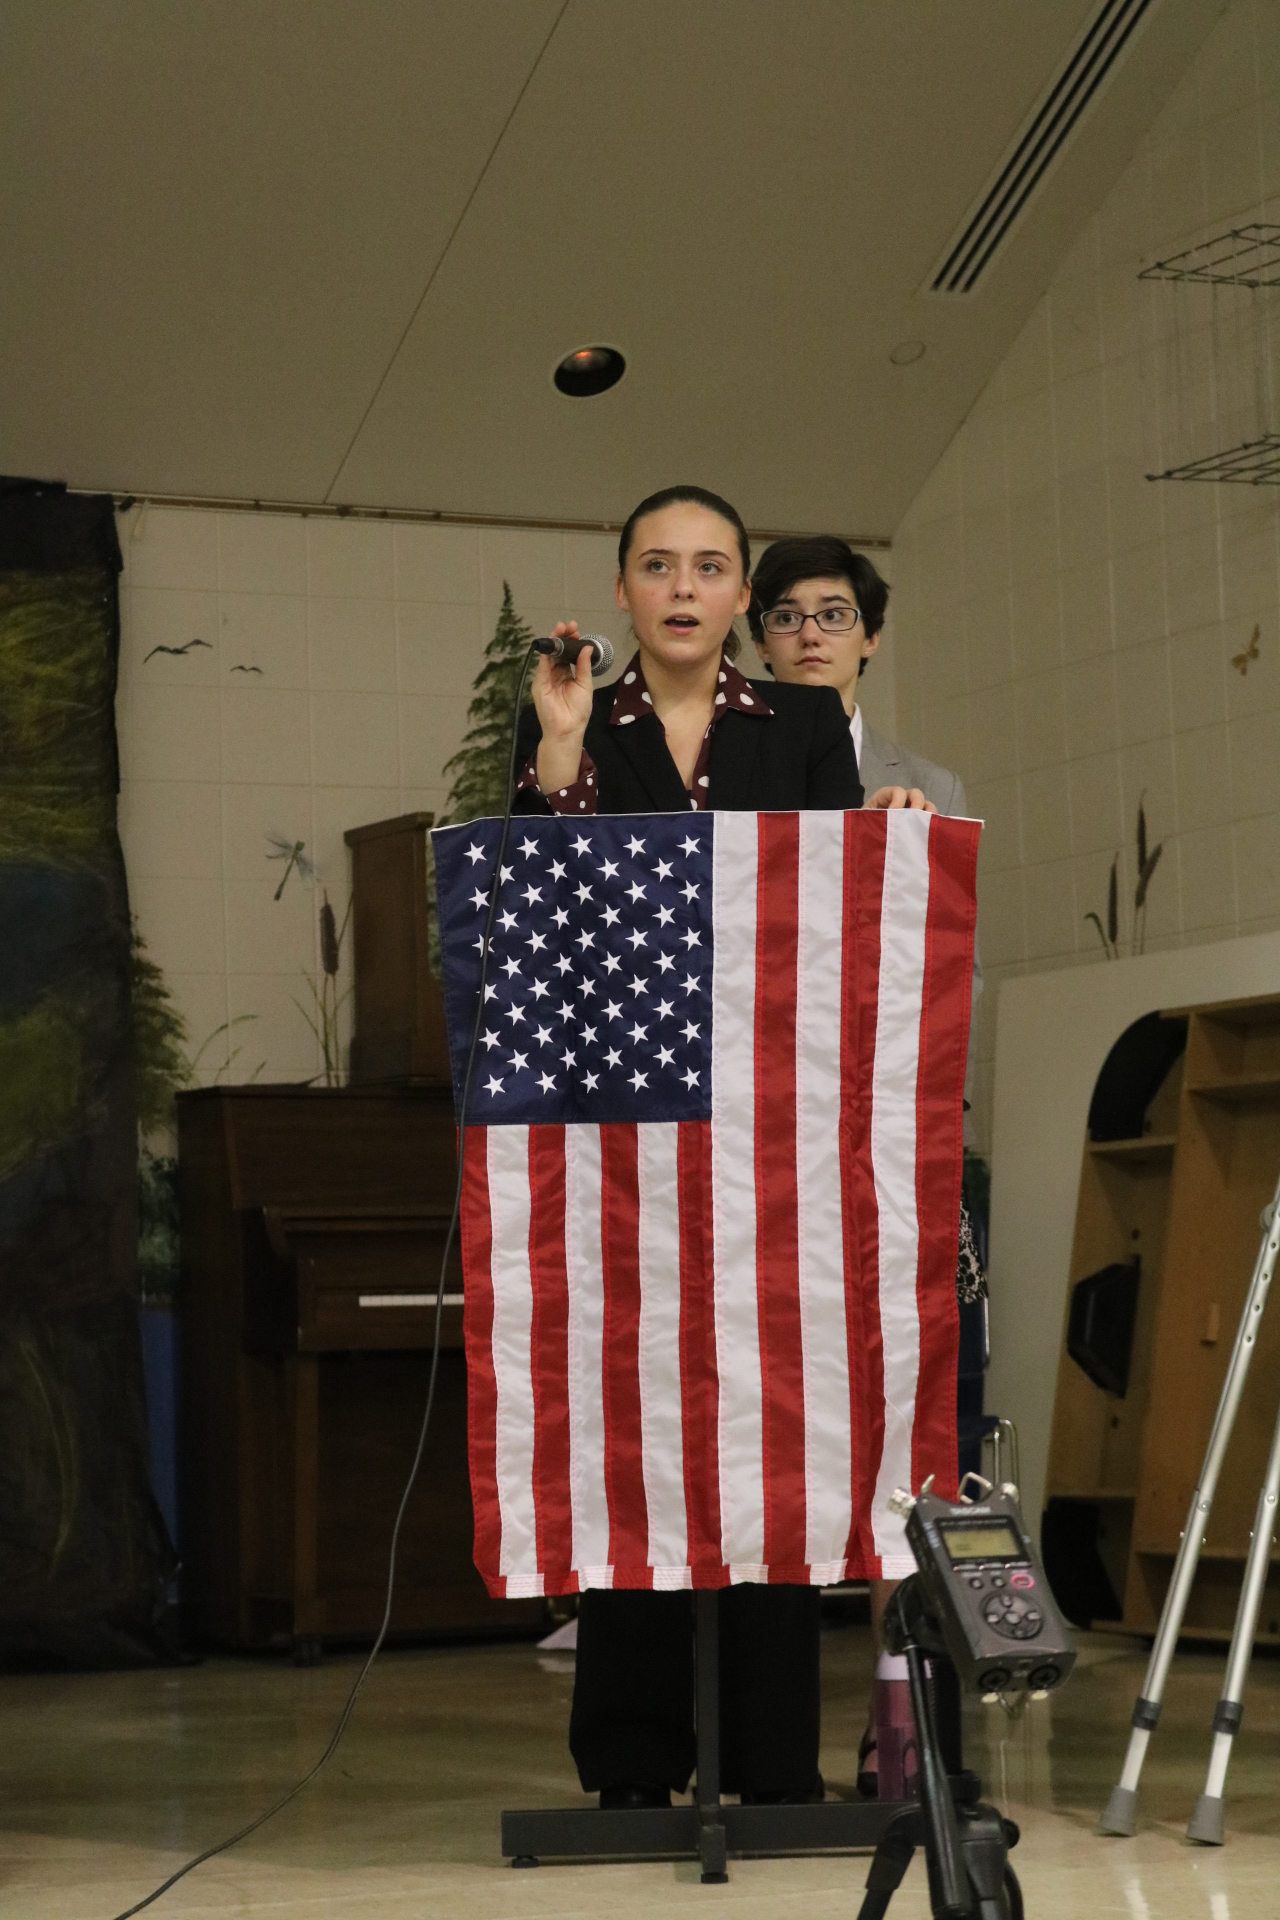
pixel 633 702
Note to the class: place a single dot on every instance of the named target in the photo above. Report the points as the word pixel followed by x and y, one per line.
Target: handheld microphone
pixel 566 650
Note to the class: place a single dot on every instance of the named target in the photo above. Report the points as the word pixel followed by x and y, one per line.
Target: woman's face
pixel 683 584
pixel 809 655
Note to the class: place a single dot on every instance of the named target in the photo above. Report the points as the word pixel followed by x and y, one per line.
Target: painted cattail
pixel 1142 832
pixel 1113 903
pixel 328 938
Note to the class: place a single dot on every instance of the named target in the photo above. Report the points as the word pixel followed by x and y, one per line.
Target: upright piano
pixel 313 1223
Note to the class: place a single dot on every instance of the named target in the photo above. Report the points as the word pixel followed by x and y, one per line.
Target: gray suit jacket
pixel 883 763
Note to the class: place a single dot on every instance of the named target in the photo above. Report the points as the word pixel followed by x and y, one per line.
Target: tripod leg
pixel 1120 1813
pixel 1206 1819
pixel 1012 1894
pixel 986 1840
pixel 889 1864
pixel 948 1885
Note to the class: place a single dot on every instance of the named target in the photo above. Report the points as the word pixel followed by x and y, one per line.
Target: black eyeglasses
pixel 826 619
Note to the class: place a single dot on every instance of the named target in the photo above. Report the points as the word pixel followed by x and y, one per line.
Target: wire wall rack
pixel 1218 325
pixel 1255 463
pixel 1244 257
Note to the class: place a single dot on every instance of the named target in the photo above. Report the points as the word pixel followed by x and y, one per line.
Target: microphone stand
pixel 966 1843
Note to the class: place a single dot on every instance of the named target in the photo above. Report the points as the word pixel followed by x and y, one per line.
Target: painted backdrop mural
pixel 83 1553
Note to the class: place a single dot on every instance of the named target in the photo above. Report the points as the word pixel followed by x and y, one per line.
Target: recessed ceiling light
pixel 906 352
pixel 590 370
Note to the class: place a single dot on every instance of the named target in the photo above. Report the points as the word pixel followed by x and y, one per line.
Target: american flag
pixel 711 1188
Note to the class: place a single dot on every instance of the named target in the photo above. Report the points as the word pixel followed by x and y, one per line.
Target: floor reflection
pixel 107 1780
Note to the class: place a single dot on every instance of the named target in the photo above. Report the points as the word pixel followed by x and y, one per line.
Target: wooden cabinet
pixel 1187 1196
pixel 399 1027
pixel 313 1223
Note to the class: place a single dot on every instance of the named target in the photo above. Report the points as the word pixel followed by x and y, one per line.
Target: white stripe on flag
pixel 904 911
pixel 585 1268
pixel 823 1324
pixel 509 1211
pixel 735 865
pixel 661 1425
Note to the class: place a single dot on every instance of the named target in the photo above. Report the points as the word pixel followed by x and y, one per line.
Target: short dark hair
pixel 822 556
pixel 693 496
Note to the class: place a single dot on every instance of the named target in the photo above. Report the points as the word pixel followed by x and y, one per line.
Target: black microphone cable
pixel 278 1806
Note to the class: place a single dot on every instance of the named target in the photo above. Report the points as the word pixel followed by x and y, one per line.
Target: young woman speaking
pixel 683 729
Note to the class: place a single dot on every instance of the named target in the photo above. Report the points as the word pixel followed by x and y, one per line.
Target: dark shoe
pixel 629 1797
pixel 868 1781
pixel 787 1796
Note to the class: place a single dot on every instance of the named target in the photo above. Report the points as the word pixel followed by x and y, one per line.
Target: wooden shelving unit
pixel 1187 1196
pixel 1152 1150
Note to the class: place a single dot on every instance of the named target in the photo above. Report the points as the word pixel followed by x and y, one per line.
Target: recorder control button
pixel 1012 1617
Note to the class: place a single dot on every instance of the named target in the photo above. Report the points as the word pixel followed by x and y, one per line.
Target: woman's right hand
pixel 562 696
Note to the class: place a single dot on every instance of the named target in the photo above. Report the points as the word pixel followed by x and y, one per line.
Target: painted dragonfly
pixel 293 852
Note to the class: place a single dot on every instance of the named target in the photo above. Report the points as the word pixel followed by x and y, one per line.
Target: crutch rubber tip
pixel 1205 1824
pixel 1120 1815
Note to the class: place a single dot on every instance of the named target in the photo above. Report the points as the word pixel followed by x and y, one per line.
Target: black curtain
pixel 84 1556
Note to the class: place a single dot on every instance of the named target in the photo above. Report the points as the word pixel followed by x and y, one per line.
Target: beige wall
pixel 1064 627
pixel 368 636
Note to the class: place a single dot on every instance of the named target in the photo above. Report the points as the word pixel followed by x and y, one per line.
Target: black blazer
pixel 802 757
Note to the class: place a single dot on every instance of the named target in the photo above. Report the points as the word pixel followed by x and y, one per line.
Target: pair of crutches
pixel 1205 1824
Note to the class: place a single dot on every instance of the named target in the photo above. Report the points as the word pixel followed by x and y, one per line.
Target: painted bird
pixel 177 652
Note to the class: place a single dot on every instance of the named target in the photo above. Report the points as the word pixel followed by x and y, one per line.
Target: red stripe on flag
pixel 944 1031
pixel 549 1348
pixel 623 1447
pixel 699 1376
pixel 777 1194
pixel 866 839
pixel 482 1384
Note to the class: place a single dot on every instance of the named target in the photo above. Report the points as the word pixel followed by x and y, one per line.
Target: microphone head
pixel 567 650
pixel 601 653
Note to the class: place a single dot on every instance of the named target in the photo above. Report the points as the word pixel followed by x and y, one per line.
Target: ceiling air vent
pixel 1038 145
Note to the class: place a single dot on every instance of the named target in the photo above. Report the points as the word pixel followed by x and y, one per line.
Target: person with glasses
pixel 817 610
pixel 816 614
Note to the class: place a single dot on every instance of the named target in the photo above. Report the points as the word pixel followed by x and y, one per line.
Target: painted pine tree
pixel 479 767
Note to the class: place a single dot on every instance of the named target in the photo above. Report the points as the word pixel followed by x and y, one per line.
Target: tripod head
pixel 980 1601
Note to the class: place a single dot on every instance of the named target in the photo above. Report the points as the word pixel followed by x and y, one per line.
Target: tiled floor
pixel 108 1781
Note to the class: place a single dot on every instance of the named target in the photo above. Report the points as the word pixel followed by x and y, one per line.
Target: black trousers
pixel 632 1719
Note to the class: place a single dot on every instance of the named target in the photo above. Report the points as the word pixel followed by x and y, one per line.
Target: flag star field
pixel 598 984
